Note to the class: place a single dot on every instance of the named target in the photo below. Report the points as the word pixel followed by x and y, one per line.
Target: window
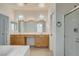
pixel 13 26
pixel 39 28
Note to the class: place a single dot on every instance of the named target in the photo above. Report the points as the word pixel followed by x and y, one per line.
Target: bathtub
pixel 11 50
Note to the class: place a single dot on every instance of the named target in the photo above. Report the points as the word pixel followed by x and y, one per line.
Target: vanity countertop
pixel 30 34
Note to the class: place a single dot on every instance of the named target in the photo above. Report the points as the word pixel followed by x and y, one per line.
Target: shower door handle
pixel 76 30
pixel 77 40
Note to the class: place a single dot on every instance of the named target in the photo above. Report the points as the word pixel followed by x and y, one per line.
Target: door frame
pixel 74 9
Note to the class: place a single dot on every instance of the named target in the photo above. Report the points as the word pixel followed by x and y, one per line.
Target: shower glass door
pixel 72 33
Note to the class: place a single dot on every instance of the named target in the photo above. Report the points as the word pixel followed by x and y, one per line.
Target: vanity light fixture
pixel 20 17
pixel 41 16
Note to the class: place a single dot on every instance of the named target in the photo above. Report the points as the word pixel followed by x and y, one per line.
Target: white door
pixel 72 33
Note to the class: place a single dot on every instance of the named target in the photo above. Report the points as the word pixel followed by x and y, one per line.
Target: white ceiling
pixel 27 6
pixel 29 10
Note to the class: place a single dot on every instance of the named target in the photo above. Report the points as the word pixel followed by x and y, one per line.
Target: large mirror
pixel 31 21
pixel 31 26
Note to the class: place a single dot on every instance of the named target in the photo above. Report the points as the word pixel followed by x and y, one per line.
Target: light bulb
pixel 20 17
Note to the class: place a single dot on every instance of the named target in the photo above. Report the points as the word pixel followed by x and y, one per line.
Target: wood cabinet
pixel 17 40
pixel 40 40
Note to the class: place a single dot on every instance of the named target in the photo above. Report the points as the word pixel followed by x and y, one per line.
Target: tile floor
pixel 41 52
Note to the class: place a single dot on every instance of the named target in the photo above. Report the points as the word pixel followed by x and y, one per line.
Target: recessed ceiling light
pixel 41 5
pixel 20 4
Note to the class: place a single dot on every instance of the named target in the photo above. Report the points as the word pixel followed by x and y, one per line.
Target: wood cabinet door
pixel 42 41
pixel 17 40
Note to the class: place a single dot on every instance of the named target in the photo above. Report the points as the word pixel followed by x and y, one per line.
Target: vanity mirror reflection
pixel 13 26
pixel 31 22
pixel 31 26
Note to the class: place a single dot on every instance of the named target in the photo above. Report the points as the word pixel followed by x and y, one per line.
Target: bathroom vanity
pixel 40 40
pixel 30 32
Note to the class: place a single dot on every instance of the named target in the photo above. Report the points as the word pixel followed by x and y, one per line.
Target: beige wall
pixel 6 11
